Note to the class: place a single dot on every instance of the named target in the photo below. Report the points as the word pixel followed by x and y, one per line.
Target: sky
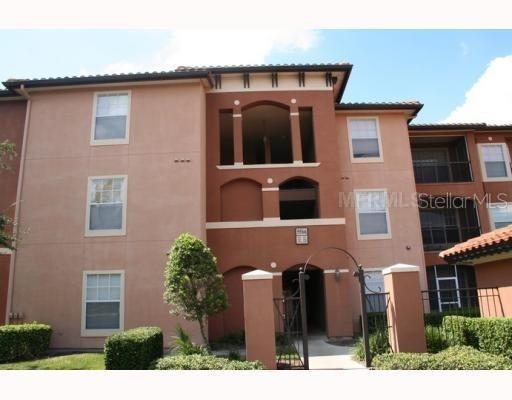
pixel 459 75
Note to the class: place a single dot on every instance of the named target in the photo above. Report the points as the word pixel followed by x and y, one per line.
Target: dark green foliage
pixel 199 362
pixel 231 340
pixel 435 338
pixel 183 345
pixel 435 318
pixel 492 335
pixel 193 287
pixel 378 345
pixel 7 153
pixel 457 357
pixel 134 349
pixel 24 342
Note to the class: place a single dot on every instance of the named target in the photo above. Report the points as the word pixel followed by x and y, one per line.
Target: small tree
pixel 7 153
pixel 193 287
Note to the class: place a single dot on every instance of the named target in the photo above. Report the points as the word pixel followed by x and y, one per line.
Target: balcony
pixel 443 227
pixel 440 159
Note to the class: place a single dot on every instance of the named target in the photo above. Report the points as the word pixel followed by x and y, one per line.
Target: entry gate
pixel 289 337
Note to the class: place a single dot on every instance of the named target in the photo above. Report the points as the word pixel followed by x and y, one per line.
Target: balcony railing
pixel 434 171
pixel 443 237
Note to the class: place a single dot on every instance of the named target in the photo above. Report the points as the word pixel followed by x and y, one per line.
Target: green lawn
pixel 73 361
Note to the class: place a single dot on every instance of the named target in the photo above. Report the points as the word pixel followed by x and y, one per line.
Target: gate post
pixel 260 340
pixel 405 311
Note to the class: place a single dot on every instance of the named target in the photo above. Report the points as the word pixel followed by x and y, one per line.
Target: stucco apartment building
pixel 264 163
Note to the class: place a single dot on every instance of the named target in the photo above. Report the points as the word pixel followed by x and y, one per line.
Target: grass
pixel 84 361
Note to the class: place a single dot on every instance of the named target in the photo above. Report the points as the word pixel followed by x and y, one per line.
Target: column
pixel 295 127
pixel 237 136
pixel 405 309
pixel 260 341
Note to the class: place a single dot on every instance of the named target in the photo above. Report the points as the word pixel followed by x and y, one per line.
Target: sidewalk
pixel 323 355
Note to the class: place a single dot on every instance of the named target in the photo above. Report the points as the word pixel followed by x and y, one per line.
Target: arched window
pixel 298 199
pixel 241 200
pixel 267 134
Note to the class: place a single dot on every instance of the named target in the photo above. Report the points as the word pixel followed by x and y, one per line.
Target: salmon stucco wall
pixel 165 197
pixel 12 123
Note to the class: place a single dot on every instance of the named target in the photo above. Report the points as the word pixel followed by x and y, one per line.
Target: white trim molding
pixel 506 161
pixel 270 189
pixel 295 164
pixel 257 274
pixel 275 223
pixel 400 268
pixel 101 332
pixel 109 142
pixel 277 273
pixel 333 271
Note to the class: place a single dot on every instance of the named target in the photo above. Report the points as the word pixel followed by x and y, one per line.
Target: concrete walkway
pixel 323 355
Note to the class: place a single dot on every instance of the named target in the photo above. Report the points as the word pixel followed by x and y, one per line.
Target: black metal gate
pixel 377 304
pixel 289 335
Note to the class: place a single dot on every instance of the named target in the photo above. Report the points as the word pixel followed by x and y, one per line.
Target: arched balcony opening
pixel 298 199
pixel 266 134
pixel 241 200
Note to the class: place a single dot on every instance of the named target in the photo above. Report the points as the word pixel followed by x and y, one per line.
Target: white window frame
pixel 102 332
pixel 388 222
pixel 107 142
pixel 506 155
pixel 379 141
pixel 457 289
pixel 124 196
pixel 490 206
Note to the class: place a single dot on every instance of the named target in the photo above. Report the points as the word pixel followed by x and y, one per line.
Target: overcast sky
pixel 460 75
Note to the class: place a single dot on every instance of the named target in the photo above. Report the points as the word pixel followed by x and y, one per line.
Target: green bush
pixel 457 357
pixel 435 318
pixel 491 335
pixel 379 344
pixel 235 339
pixel 134 349
pixel 24 342
pixel 435 339
pixel 183 345
pixel 199 362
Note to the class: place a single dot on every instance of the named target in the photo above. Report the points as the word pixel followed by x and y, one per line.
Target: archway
pixel 315 295
pixel 298 199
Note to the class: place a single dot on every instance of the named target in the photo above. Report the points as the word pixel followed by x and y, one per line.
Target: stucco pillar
pixel 405 309
pixel 270 202
pixel 260 343
pixel 295 127
pixel 338 308
pixel 238 142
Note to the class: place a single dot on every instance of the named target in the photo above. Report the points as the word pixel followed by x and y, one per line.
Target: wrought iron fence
pixel 378 323
pixel 466 302
pixel 289 345
pixel 436 171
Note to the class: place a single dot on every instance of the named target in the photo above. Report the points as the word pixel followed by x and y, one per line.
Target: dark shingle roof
pixel 478 126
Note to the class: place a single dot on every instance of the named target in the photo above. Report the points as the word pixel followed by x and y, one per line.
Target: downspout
pixel 10 288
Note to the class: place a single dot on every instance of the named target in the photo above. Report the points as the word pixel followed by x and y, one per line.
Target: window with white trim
pixel 495 161
pixel 111 118
pixel 364 139
pixel 106 208
pixel 500 214
pixel 372 214
pixel 374 289
pixel 102 309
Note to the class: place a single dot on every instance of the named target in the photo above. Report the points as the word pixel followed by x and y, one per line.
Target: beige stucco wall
pixel 395 174
pixel 164 199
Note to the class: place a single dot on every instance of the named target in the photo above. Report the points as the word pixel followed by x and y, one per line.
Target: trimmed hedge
pixel 492 335
pixel 24 342
pixel 200 362
pixel 134 349
pixel 453 358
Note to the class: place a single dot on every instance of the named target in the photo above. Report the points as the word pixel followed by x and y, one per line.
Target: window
pixel 111 118
pixel 102 308
pixel 375 297
pixel 500 214
pixel 495 161
pixel 106 208
pixel 365 145
pixel 372 214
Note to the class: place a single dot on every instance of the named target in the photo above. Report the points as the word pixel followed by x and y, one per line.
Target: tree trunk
pixel 203 333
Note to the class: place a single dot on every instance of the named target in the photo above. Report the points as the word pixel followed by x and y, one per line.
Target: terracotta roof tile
pixel 485 241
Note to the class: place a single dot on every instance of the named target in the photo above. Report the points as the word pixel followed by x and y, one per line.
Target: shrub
pixel 24 342
pixel 184 346
pixel 435 339
pixel 134 349
pixel 199 362
pixel 492 335
pixel 235 339
pixel 457 357
pixel 378 345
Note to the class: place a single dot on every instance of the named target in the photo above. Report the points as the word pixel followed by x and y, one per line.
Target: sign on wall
pixel 301 236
